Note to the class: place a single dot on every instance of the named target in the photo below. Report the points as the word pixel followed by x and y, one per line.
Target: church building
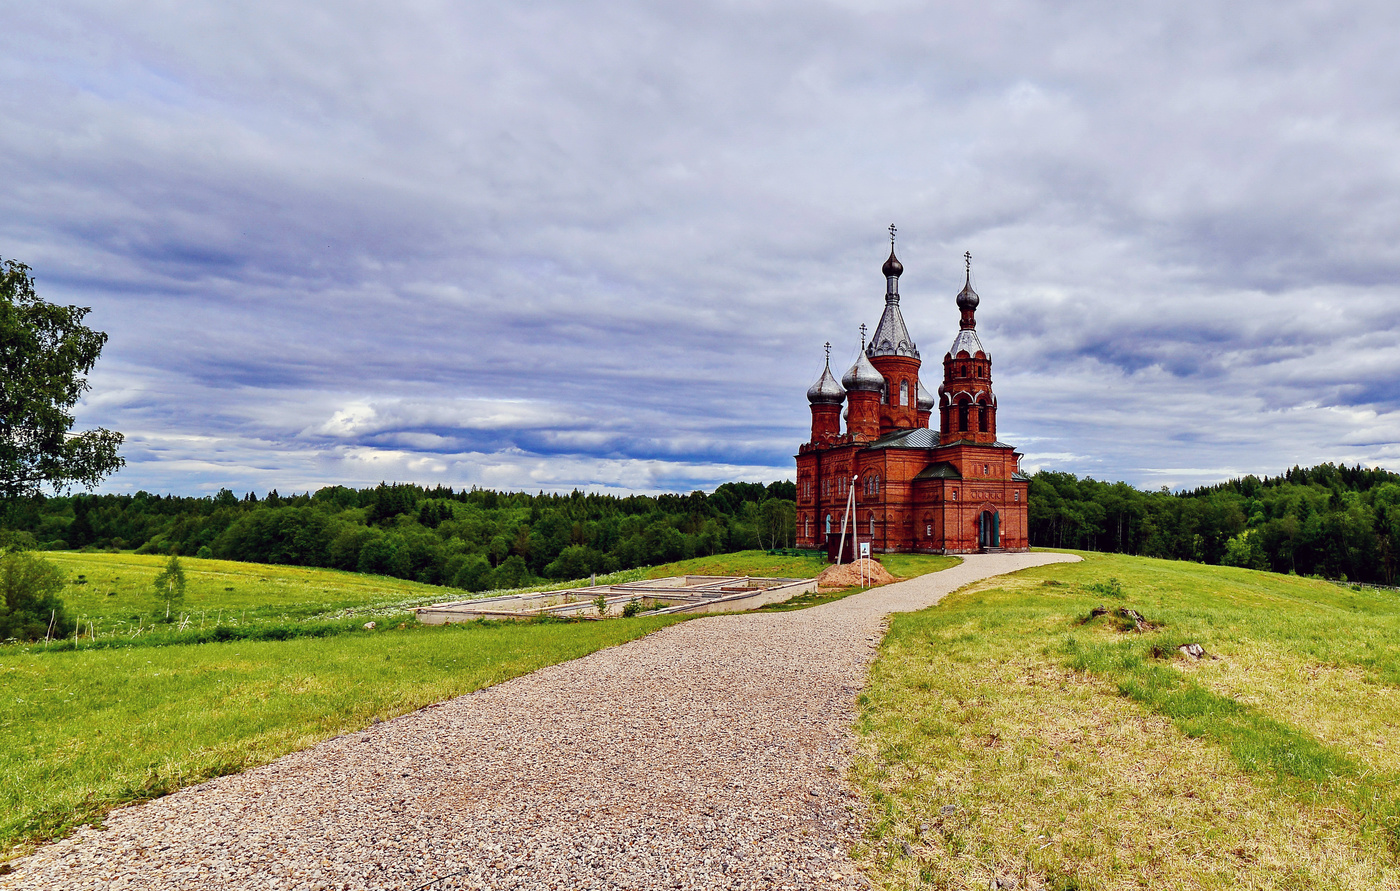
pixel 950 488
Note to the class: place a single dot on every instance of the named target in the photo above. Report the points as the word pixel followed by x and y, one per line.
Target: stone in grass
pixel 1127 618
pixel 369 626
pixel 1195 651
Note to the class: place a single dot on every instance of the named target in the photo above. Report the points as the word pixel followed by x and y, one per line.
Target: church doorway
pixel 989 529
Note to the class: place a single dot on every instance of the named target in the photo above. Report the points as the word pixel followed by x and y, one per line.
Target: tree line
pixel 1332 521
pixel 476 539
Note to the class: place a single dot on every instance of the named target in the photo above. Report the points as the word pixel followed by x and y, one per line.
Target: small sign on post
pixel 865 564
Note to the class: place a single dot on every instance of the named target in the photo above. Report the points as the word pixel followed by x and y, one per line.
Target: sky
pixel 600 245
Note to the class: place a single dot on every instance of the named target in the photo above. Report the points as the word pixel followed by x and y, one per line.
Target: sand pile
pixel 848 575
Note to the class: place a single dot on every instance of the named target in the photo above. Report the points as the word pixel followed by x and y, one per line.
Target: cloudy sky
pixel 536 245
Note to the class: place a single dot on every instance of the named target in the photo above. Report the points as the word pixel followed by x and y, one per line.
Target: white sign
pixel 865 549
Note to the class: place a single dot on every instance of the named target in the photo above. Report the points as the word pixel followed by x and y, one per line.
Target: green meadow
pixel 1014 733
pixel 142 706
pixel 143 710
pixel 112 594
pixel 1011 735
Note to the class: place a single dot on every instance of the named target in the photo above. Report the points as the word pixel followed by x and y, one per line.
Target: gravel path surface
pixel 711 754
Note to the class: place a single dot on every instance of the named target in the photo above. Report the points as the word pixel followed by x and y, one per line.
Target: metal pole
pixel 850 506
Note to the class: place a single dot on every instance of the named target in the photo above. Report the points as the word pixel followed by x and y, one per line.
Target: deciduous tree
pixel 45 355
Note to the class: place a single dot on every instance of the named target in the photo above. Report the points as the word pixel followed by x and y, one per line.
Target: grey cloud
pixel 638 224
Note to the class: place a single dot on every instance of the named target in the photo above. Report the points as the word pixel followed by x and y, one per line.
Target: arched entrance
pixel 989 529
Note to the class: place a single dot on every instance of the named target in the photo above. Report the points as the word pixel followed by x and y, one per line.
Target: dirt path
pixel 711 754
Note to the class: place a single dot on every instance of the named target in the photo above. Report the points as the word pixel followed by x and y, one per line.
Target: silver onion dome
pixel 862 375
pixel 826 391
pixel 926 400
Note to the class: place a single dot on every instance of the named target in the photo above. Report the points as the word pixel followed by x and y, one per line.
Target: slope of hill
pixel 1011 734
pixel 140 712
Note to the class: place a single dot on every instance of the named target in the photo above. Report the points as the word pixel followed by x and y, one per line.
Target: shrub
pixel 631 608
pixel 29 586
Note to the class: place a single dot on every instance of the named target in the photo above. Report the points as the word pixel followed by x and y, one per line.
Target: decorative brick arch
pixel 986 524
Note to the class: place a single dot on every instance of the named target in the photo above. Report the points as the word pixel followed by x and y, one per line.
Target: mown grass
pixel 84 731
pixel 116 590
pixel 1008 735
pixel 113 594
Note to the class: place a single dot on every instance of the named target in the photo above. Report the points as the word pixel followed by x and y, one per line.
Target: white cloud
pixel 608 239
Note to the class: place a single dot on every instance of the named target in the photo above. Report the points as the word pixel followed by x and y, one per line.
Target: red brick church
pixel 953 490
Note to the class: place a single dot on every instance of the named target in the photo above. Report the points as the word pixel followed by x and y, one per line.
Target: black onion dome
pixel 967 298
pixel 892 265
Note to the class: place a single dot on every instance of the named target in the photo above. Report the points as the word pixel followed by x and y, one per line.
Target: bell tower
pixel 967 407
pixel 894 355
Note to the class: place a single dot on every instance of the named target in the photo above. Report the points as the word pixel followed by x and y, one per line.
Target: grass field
pixel 112 595
pixel 84 731
pixel 1008 735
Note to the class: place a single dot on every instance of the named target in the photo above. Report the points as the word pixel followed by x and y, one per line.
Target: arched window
pixel 885 393
pixel 962 416
pixel 877 485
pixel 982 411
pixel 872 527
pixel 828 524
pixel 1015 496
pixel 903 392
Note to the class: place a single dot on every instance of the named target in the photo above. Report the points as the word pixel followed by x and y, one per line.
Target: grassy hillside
pixel 115 592
pixel 84 731
pixel 1009 734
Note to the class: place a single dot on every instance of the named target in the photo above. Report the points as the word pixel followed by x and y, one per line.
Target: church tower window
pixel 903 392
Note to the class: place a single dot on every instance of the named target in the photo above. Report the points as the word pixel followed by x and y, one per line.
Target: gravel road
pixel 711 754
